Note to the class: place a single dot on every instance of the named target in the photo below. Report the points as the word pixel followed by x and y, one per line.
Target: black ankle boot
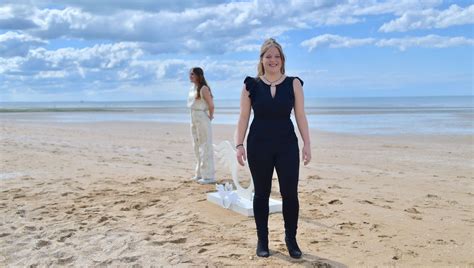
pixel 292 247
pixel 262 248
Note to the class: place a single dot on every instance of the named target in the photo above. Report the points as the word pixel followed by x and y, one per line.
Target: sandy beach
pixel 120 194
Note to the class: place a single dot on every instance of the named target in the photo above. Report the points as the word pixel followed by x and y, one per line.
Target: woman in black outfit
pixel 272 142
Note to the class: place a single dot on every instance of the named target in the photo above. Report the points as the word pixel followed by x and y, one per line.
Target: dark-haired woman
pixel 202 112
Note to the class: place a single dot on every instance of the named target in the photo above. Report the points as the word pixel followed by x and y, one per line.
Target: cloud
pixel 363 8
pixel 112 6
pixel 203 26
pixel 429 41
pixel 106 66
pixel 16 17
pixel 96 62
pixel 16 24
pixel 430 18
pixel 13 44
pixel 191 30
pixel 335 41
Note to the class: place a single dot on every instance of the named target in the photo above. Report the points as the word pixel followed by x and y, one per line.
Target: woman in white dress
pixel 202 112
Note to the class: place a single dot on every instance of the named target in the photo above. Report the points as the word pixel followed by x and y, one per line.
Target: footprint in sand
pixel 346 225
pixel 356 244
pixel 102 219
pixel 374 204
pixel 335 202
pixel 71 211
pixel 21 213
pixel 366 202
pixel 17 196
pixel 375 227
pixel 129 259
pixel 324 240
pixel 412 210
pixel 42 243
pixel 63 238
pixel 173 241
pixel 64 261
pixel 30 228
pixel 314 177
pixel 4 234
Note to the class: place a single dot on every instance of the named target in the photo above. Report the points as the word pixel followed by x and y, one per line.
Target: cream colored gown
pixel 201 131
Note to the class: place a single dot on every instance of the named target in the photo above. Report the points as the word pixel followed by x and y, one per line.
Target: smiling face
pixel 272 60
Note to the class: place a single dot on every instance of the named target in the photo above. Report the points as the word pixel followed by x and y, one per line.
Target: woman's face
pixel 272 60
pixel 192 77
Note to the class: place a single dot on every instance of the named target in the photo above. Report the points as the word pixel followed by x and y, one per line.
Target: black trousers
pixel 263 158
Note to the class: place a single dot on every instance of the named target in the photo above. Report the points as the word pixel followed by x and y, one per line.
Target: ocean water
pixel 453 115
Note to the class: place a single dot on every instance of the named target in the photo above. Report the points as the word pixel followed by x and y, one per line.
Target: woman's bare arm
pixel 301 120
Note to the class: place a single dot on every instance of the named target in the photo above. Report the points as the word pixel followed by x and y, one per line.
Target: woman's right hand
pixel 241 155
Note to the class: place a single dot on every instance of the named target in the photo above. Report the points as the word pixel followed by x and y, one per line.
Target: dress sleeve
pixel 249 85
pixel 301 81
pixel 292 92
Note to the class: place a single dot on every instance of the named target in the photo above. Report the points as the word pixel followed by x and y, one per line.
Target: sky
pixel 122 50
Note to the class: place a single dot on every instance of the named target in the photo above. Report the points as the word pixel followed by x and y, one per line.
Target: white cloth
pixel 201 131
pixel 196 104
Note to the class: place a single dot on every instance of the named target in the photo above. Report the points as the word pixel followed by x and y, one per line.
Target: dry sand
pixel 120 194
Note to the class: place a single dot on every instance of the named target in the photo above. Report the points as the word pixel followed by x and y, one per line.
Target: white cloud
pixel 111 6
pixel 96 62
pixel 13 44
pixel 430 18
pixel 165 31
pixel 51 74
pixel 429 41
pixel 168 30
pixel 397 7
pixel 107 66
pixel 335 41
pixel 16 17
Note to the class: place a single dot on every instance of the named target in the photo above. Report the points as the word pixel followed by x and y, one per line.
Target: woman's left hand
pixel 306 154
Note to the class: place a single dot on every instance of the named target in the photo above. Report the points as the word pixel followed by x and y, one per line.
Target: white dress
pixel 201 131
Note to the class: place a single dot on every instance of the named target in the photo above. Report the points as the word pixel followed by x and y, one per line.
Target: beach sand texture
pixel 88 194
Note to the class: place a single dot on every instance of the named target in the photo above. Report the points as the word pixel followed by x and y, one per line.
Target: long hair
pixel 199 73
pixel 265 47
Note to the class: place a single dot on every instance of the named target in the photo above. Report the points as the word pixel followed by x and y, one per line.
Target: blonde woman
pixel 202 112
pixel 272 142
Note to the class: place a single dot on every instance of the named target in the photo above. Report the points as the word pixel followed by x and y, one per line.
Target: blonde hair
pixel 265 47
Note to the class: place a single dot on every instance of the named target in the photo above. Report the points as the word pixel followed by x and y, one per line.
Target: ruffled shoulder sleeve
pixel 250 84
pixel 292 92
pixel 301 81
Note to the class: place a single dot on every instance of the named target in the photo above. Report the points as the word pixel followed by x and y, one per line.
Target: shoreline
pixel 152 118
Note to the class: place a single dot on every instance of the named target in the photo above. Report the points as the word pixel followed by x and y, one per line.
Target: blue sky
pixel 121 50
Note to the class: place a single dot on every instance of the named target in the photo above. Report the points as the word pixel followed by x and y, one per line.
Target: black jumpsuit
pixel 272 144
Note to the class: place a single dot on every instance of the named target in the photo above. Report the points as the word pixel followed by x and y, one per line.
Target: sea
pixel 426 115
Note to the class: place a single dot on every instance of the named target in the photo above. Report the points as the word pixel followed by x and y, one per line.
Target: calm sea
pixel 377 115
